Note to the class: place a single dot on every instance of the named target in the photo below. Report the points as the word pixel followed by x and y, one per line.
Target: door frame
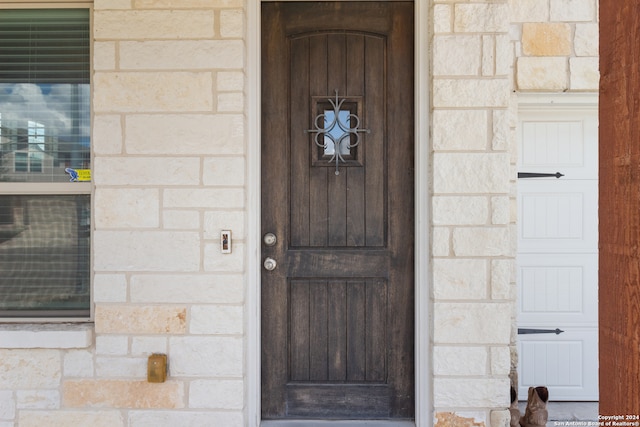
pixel 422 190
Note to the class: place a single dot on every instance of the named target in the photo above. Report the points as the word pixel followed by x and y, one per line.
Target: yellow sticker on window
pixel 79 174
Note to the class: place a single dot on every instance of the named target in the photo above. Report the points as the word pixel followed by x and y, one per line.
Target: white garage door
pixel 558 249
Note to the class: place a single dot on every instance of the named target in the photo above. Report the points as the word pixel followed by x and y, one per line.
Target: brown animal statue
pixel 536 415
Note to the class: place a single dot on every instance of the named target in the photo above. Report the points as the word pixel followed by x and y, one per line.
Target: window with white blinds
pixel 44 155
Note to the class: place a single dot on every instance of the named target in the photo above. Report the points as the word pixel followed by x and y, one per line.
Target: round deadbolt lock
pixel 269 239
pixel 270 264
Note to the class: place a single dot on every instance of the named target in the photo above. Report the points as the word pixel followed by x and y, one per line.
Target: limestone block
pixel 78 363
pixel 122 394
pixel 456 55
pixel 529 11
pixel 502 279
pixel 442 14
pixel 153 24
pixel 215 260
pixel 112 345
pixel 460 279
pixel 223 171
pixel 121 367
pixel 481 18
pixel 500 360
pixel 501 129
pixel 159 91
pixel 500 418
pixel 204 198
pixel 460 210
pixel 463 130
pixel 187 288
pixel 146 251
pixel 586 40
pixel 459 360
pixel 179 219
pixel 129 319
pixel 585 74
pixel 440 238
pixel 104 56
pixel 504 55
pixel 71 418
pixel 7 405
pixel 197 134
pixel 232 23
pixel 230 102
pixel 572 10
pixel 126 208
pixel 211 356
pixel 546 39
pixel 471 173
pixel 541 73
pixel 107 134
pixel 145 346
pixel 461 419
pixel 230 81
pixel 187 4
pixel 159 171
pixel 481 241
pixel 488 55
pixel 471 392
pixel 217 319
pixel 214 221
pixel 37 399
pixel 109 288
pixel 472 323
pixel 182 418
pixel 112 4
pixel 30 369
pixel 216 394
pixel 500 210
pixel 181 55
pixel 461 93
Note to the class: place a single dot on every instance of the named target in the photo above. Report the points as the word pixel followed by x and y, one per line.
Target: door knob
pixel 270 264
pixel 269 239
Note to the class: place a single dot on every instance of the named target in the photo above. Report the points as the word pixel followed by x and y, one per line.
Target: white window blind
pixel 44 134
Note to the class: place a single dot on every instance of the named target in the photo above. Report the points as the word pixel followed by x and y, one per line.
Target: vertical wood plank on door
pixel 318 311
pixel 300 144
pixel 356 175
pixel 319 195
pixel 376 314
pixel 337 333
pixel 356 343
pixel 337 188
pixel 374 154
pixel 299 345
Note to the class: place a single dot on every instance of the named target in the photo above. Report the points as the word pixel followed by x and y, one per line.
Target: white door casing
pixel 558 246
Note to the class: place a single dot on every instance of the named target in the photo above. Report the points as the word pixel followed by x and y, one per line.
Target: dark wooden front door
pixel 338 308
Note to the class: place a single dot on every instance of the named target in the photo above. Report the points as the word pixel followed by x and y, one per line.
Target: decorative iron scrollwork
pixel 328 131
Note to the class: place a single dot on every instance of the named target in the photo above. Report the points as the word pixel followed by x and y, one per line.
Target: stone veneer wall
pixel 169 173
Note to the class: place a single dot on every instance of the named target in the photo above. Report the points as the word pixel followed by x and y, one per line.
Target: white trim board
pixel 423 303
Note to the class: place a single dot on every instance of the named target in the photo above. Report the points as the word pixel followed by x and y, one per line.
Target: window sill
pixel 59 336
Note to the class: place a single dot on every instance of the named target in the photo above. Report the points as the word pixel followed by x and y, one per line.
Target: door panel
pixel 564 363
pixel 558 215
pixel 558 289
pixel 558 254
pixel 337 311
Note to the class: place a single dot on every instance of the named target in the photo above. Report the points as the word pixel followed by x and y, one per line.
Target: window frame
pixel 59 188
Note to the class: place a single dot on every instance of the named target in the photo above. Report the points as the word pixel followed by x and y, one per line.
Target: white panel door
pixel 558 252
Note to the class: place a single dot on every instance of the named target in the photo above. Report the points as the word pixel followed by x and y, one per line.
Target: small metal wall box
pixel 157 368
